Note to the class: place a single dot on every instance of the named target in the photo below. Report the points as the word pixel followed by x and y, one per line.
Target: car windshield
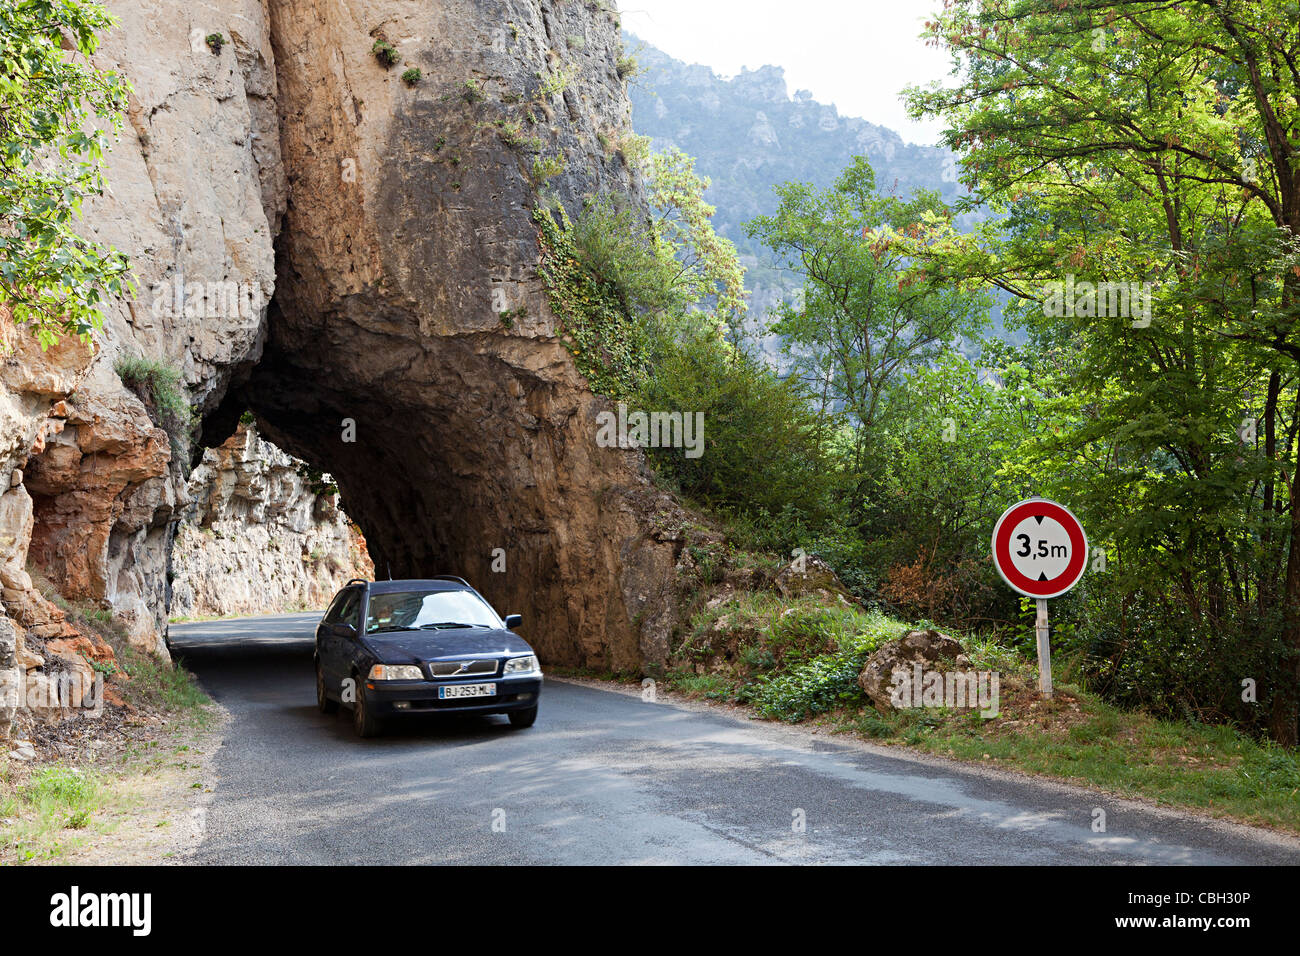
pixel 402 610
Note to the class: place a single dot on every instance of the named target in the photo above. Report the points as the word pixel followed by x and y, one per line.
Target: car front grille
pixel 485 668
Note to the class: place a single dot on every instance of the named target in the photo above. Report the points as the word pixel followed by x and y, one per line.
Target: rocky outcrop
pixel 262 535
pixel 318 238
pixel 33 387
pixel 196 190
pixel 101 490
pixel 810 575
pixel 460 444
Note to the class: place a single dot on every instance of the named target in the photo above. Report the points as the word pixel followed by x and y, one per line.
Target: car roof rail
pixel 356 581
pixel 449 577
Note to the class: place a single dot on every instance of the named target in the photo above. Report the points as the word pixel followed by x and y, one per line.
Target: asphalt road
pixel 604 777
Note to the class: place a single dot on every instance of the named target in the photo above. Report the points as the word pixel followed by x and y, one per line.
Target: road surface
pixel 604 777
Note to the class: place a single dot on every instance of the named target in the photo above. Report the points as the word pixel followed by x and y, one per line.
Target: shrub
pixel 634 149
pixel 825 681
pixel 1143 647
pixel 556 82
pixel 607 338
pixel 412 76
pixel 471 92
pixel 763 453
pixel 627 67
pixel 614 243
pixel 158 385
pixel 512 134
pixel 215 42
pixel 386 53
pixel 545 168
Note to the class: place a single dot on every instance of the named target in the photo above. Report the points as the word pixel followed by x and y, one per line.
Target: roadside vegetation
pixel 159 386
pixel 45 811
pixel 798 661
pixel 91 777
pixel 895 430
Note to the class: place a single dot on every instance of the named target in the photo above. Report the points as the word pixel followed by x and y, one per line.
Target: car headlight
pixel 396 672
pixel 521 665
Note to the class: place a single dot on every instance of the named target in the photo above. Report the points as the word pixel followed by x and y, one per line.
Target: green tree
pixel 948 465
pixel 665 262
pixel 763 456
pixel 709 274
pixel 864 321
pixel 1150 147
pixel 51 158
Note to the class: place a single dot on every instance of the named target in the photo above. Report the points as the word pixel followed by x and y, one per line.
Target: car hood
pixel 398 646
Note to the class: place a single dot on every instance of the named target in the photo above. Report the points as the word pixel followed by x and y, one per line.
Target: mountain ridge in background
pixel 749 133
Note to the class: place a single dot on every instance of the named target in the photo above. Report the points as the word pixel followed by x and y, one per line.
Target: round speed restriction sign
pixel 1039 548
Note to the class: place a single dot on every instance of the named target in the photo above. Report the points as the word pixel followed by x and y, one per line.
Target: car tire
pixel 325 703
pixel 365 722
pixel 523 718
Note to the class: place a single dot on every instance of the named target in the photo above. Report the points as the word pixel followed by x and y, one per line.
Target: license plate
pixel 455 691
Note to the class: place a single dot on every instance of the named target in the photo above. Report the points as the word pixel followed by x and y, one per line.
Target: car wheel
pixel 366 723
pixel 523 718
pixel 326 703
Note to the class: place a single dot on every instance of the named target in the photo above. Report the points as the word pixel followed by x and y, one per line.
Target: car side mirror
pixel 513 621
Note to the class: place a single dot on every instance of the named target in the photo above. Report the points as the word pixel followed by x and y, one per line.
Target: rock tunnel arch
pixel 385 216
pixel 455 438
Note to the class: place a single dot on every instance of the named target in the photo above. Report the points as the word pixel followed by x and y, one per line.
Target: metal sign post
pixel 1040 550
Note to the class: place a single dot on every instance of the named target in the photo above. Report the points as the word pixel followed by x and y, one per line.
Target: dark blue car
pixel 394 648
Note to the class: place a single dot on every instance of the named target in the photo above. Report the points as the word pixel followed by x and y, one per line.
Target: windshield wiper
pixel 389 627
pixel 442 624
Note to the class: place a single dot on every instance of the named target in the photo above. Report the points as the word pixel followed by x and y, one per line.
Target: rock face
pixel 196 191
pixel 259 537
pixel 318 239
pixel 33 385
pixel 460 445
pixel 926 648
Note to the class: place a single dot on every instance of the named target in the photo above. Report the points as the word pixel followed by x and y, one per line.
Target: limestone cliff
pixel 331 241
pixel 408 233
pixel 261 535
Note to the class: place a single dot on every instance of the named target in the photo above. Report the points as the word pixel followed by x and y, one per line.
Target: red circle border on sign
pixel 1002 548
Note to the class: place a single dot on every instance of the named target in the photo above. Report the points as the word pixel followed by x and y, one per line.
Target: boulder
pixel 927 648
pixel 27 659
pixel 812 575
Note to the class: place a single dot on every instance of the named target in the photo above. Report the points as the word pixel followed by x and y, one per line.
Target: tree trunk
pixel 1286 698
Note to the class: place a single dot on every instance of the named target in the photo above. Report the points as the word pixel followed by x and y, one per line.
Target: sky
pixel 857 54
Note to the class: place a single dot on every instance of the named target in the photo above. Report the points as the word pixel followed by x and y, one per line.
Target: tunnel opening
pixel 262 533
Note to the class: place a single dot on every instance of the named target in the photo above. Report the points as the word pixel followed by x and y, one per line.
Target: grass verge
pixel 97 778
